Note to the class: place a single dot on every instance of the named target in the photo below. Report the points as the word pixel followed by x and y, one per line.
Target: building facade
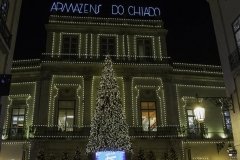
pixel 52 99
pixel 9 16
pixel 226 20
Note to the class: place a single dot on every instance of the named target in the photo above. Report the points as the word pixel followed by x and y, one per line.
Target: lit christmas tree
pixel 109 130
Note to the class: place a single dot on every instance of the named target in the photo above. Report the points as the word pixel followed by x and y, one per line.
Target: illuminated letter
pixel 142 11
pixel 76 8
pixel 54 7
pixel 68 7
pixel 98 9
pixel 118 11
pixel 137 12
pixel 122 8
pixel 60 4
pixel 157 11
pixel 85 8
pixel 80 6
pixel 147 11
pixel 113 7
pixel 129 11
pixel 92 9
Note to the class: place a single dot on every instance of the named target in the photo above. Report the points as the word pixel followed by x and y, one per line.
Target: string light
pixel 160 46
pixel 135 102
pixel 181 111
pixel 95 83
pixel 53 43
pixel 29 101
pixel 86 44
pixel 143 36
pixel 26 60
pixel 55 85
pixel 91 44
pixel 79 45
pixel 197 68
pixel 136 85
pixel 123 45
pixel 106 21
pixel 128 46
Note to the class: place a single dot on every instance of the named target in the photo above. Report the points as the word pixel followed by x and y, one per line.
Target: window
pixel 227 121
pixel 191 120
pixel 144 47
pixel 70 44
pixel 236 29
pixel 107 45
pixel 18 119
pixel 66 115
pixel 4 9
pixel 149 116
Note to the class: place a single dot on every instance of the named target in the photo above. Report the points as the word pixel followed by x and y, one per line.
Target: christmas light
pixel 53 43
pixel 109 130
pixel 54 87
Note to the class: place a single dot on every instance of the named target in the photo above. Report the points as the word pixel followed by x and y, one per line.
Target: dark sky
pixel 190 35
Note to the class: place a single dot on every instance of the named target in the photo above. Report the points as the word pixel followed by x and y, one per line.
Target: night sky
pixel 190 35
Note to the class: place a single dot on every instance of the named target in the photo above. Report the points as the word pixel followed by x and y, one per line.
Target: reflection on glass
pixel 66 115
pixel 191 121
pixel 17 123
pixel 144 47
pixel 149 118
pixel 107 45
pixel 227 120
pixel 70 44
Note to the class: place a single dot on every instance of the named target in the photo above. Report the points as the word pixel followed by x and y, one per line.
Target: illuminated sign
pixel 96 9
pixel 110 155
pixel 81 8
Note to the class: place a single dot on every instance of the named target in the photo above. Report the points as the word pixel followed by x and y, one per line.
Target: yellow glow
pixel 199 113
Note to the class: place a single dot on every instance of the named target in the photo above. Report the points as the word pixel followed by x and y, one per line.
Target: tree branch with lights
pixel 109 130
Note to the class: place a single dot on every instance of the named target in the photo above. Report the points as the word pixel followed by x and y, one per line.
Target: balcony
pixel 43 131
pixel 5 32
pixel 204 133
pixel 14 133
pixel 48 57
pixel 55 132
pixel 161 132
pixel 197 133
pixel 234 59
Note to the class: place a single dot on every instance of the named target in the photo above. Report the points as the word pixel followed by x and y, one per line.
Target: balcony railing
pixel 161 132
pixel 234 59
pixel 44 131
pixel 57 132
pixel 5 32
pixel 197 133
pixel 14 133
pixel 48 57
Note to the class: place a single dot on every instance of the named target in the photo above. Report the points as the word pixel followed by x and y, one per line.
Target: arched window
pixel 4 9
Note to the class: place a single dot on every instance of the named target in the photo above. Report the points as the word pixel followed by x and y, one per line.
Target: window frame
pixel 229 130
pixel 143 40
pixel 65 128
pixel 114 44
pixel 191 129
pixel 235 31
pixel 70 44
pixel 4 13
pixel 16 131
pixel 148 111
